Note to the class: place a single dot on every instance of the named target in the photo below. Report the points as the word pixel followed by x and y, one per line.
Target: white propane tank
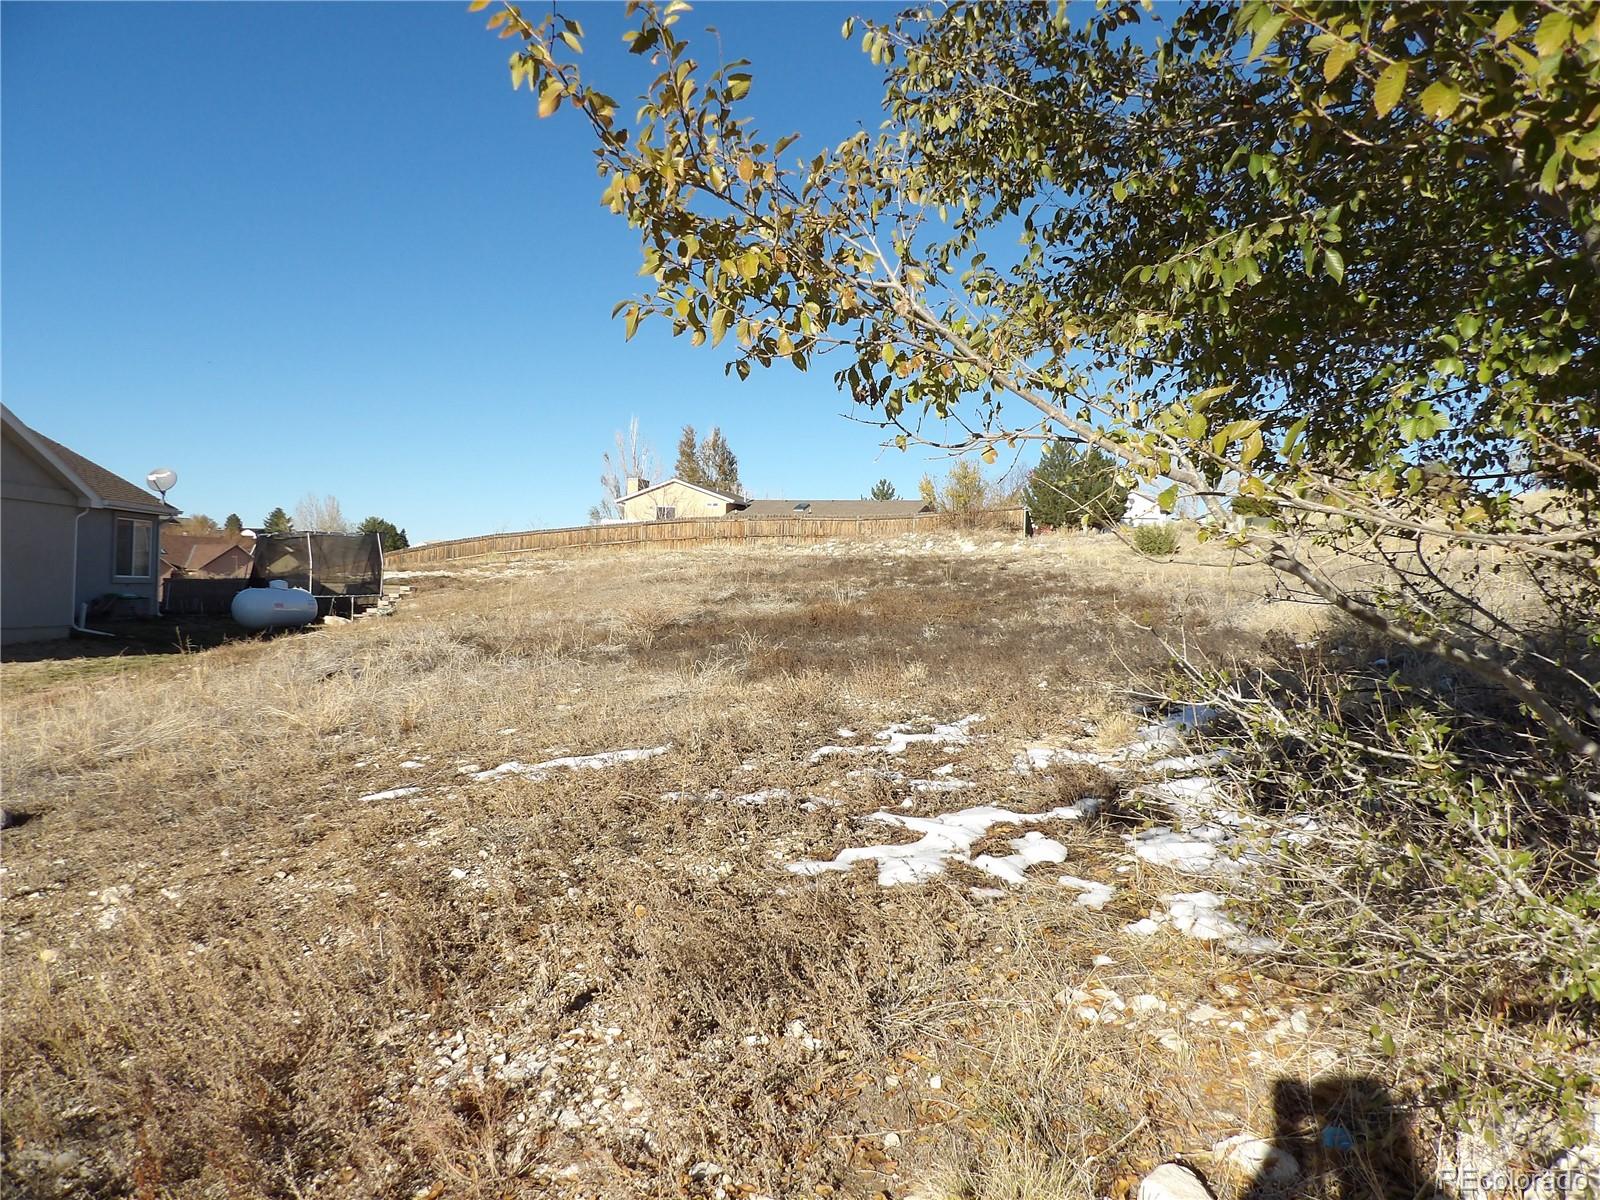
pixel 276 606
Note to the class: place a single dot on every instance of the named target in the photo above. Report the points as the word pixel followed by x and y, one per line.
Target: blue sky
pixel 325 248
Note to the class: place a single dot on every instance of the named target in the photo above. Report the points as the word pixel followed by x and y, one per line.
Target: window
pixel 666 512
pixel 133 549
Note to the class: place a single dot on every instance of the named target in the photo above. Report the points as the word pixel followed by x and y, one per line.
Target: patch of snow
pixel 411 764
pixel 897 739
pixel 392 794
pixel 1031 848
pixel 1094 895
pixel 945 838
pixel 1199 915
pixel 580 762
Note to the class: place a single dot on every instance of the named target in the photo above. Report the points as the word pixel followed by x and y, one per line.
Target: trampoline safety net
pixel 325 564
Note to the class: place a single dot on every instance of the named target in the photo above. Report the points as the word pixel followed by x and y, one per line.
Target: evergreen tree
pixel 883 490
pixel 233 526
pixel 389 537
pixel 718 465
pixel 1074 487
pixel 278 522
pixel 689 468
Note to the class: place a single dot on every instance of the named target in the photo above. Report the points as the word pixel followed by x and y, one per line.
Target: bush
pixel 1157 541
pixel 1451 861
pixel 1071 486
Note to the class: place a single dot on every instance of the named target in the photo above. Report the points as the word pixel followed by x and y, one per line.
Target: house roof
pixel 100 487
pixel 188 552
pixel 835 508
pixel 728 496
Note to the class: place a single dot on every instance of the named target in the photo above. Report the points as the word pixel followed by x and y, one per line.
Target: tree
pixel 1076 487
pixel 320 514
pixel 197 525
pixel 278 522
pixel 689 467
pixel 717 463
pixel 634 458
pixel 708 462
pixel 963 492
pixel 882 490
pixel 1346 254
pixel 389 537
pixel 233 526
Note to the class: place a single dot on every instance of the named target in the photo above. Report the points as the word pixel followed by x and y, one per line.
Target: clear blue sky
pixel 301 247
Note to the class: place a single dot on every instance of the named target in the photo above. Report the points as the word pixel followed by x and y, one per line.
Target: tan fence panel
pixel 701 531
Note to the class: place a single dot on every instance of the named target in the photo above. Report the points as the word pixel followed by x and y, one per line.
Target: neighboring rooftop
pixel 835 508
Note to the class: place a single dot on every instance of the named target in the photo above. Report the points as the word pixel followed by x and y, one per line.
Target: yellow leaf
pixel 747 169
pixel 478 5
pixel 990 454
pixel 1390 87
pixel 1340 56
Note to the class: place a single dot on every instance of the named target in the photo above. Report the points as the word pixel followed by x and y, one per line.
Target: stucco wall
pixel 686 500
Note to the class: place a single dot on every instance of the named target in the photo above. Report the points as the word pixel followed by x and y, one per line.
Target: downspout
pixel 80 612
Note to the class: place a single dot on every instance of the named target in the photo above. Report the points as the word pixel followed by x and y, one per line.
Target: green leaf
pixel 1507 24
pixel 1168 500
pixel 1439 98
pixel 1333 263
pixel 1265 32
pixel 571 41
pixel 1552 34
pixel 1390 87
pixel 1340 56
pixel 738 86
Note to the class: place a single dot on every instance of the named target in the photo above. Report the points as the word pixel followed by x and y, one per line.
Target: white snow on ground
pixel 944 839
pixel 896 739
pixel 1195 852
pixel 1031 848
pixel 580 762
pixel 1199 915
pixel 1094 895
pixel 1147 741
pixel 392 794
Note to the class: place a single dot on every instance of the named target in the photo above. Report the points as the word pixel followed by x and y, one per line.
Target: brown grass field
pixel 228 972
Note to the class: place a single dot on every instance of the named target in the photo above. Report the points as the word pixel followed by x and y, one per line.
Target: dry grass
pixel 227 974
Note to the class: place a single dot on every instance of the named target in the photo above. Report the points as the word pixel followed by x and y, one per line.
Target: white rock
pixel 1258 1159
pixel 1172 1181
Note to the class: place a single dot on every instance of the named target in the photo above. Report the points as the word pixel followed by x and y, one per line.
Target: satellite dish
pixel 162 479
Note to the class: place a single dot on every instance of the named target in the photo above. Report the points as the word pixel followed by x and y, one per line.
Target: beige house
pixel 674 500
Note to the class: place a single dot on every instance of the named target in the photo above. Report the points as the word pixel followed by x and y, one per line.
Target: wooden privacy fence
pixel 701 531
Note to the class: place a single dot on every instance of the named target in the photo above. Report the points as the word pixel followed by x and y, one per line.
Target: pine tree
pixel 718 466
pixel 1072 487
pixel 233 526
pixel 882 490
pixel 278 522
pixel 689 468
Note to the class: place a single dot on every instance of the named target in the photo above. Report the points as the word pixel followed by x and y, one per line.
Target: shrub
pixel 1157 541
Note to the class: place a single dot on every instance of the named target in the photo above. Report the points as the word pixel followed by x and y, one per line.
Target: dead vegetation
pixel 240 960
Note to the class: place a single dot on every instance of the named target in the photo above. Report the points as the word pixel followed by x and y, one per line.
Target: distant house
pixel 1143 510
pixel 72 534
pixel 197 557
pixel 674 500
pixel 836 508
